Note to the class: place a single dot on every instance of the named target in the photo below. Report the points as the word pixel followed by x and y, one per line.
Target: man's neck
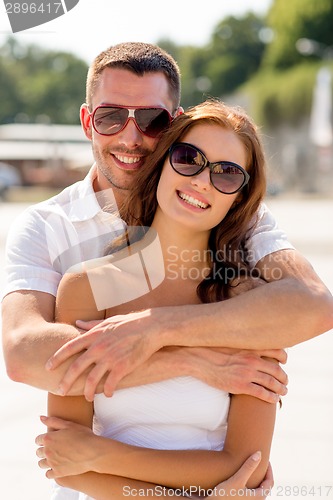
pixel 109 195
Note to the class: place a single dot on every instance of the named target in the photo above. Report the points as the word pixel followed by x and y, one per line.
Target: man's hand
pixel 115 346
pixel 239 372
pixel 235 487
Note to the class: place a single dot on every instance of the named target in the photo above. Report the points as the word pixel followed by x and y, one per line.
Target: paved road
pixel 302 455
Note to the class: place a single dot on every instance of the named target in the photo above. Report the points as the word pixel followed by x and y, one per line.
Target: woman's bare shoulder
pixel 75 298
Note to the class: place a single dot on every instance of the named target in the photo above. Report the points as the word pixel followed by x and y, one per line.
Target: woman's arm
pixel 250 428
pixel 75 300
pixel 106 487
pixel 103 488
pixel 77 450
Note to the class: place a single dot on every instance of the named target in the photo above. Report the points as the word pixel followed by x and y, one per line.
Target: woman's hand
pixel 67 449
pixel 235 486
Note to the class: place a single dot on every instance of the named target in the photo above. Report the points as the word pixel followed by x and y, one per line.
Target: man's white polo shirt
pixel 51 236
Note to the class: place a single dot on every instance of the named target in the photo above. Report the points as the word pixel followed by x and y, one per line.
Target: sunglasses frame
pixel 210 165
pixel 131 115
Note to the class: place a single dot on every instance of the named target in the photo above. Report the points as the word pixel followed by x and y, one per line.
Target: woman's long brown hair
pixel 227 239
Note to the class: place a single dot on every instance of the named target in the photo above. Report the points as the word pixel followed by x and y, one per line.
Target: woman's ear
pixel 85 118
pixel 237 200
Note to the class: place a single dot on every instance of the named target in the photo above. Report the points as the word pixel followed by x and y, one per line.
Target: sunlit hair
pixel 229 236
pixel 139 58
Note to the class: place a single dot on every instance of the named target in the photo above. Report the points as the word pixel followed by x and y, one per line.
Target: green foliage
pixel 232 56
pixel 234 53
pixel 40 85
pixel 192 61
pixel 11 103
pixel 311 19
pixel 279 97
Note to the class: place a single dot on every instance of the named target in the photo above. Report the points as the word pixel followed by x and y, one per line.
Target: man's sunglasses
pixel 226 176
pixel 110 120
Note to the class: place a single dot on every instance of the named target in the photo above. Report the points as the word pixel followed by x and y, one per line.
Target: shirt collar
pixel 83 201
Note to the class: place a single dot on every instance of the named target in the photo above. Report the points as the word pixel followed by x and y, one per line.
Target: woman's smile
pixel 193 201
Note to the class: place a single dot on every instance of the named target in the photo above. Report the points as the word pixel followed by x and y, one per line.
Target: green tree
pixel 11 103
pixel 279 97
pixel 235 52
pixel 191 61
pixel 231 57
pixel 311 19
pixel 41 85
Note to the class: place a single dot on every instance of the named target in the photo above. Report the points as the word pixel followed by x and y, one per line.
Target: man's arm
pixel 30 337
pixel 292 307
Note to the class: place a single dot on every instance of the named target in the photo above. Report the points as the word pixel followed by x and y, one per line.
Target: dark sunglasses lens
pixel 109 121
pixel 227 178
pixel 186 160
pixel 152 121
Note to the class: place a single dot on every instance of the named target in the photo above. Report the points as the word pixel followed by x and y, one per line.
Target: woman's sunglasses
pixel 110 120
pixel 226 176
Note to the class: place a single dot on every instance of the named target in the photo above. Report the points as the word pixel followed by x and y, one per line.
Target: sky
pixel 93 25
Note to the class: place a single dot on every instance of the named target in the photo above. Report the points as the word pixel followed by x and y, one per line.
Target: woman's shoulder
pixel 82 268
pixel 76 298
pixel 90 279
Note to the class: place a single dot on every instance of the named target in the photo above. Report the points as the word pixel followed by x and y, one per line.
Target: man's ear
pixel 179 111
pixel 86 121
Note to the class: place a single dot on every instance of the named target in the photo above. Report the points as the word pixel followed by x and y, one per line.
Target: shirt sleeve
pixel 264 237
pixel 28 258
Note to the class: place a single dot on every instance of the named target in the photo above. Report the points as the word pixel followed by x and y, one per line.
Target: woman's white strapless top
pixel 177 414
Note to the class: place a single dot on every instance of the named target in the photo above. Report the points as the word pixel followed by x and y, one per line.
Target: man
pixel 137 88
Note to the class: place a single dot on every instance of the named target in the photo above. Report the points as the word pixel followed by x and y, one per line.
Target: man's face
pixel 120 156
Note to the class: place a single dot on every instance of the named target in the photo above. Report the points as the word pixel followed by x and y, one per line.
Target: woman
pixel 201 188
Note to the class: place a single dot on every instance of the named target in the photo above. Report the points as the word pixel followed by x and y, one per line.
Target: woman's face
pixel 193 201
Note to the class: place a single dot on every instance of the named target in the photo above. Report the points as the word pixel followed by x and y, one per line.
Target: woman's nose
pixel 202 180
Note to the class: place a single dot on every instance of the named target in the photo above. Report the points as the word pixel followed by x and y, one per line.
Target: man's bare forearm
pixel 29 349
pixel 277 315
pixel 36 343
pixel 30 336
pixel 29 340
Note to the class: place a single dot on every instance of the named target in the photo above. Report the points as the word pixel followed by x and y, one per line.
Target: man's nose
pixel 130 136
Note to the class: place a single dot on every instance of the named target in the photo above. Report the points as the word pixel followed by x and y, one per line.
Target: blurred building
pixel 44 154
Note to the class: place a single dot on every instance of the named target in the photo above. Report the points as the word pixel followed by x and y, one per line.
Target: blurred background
pixel 274 58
